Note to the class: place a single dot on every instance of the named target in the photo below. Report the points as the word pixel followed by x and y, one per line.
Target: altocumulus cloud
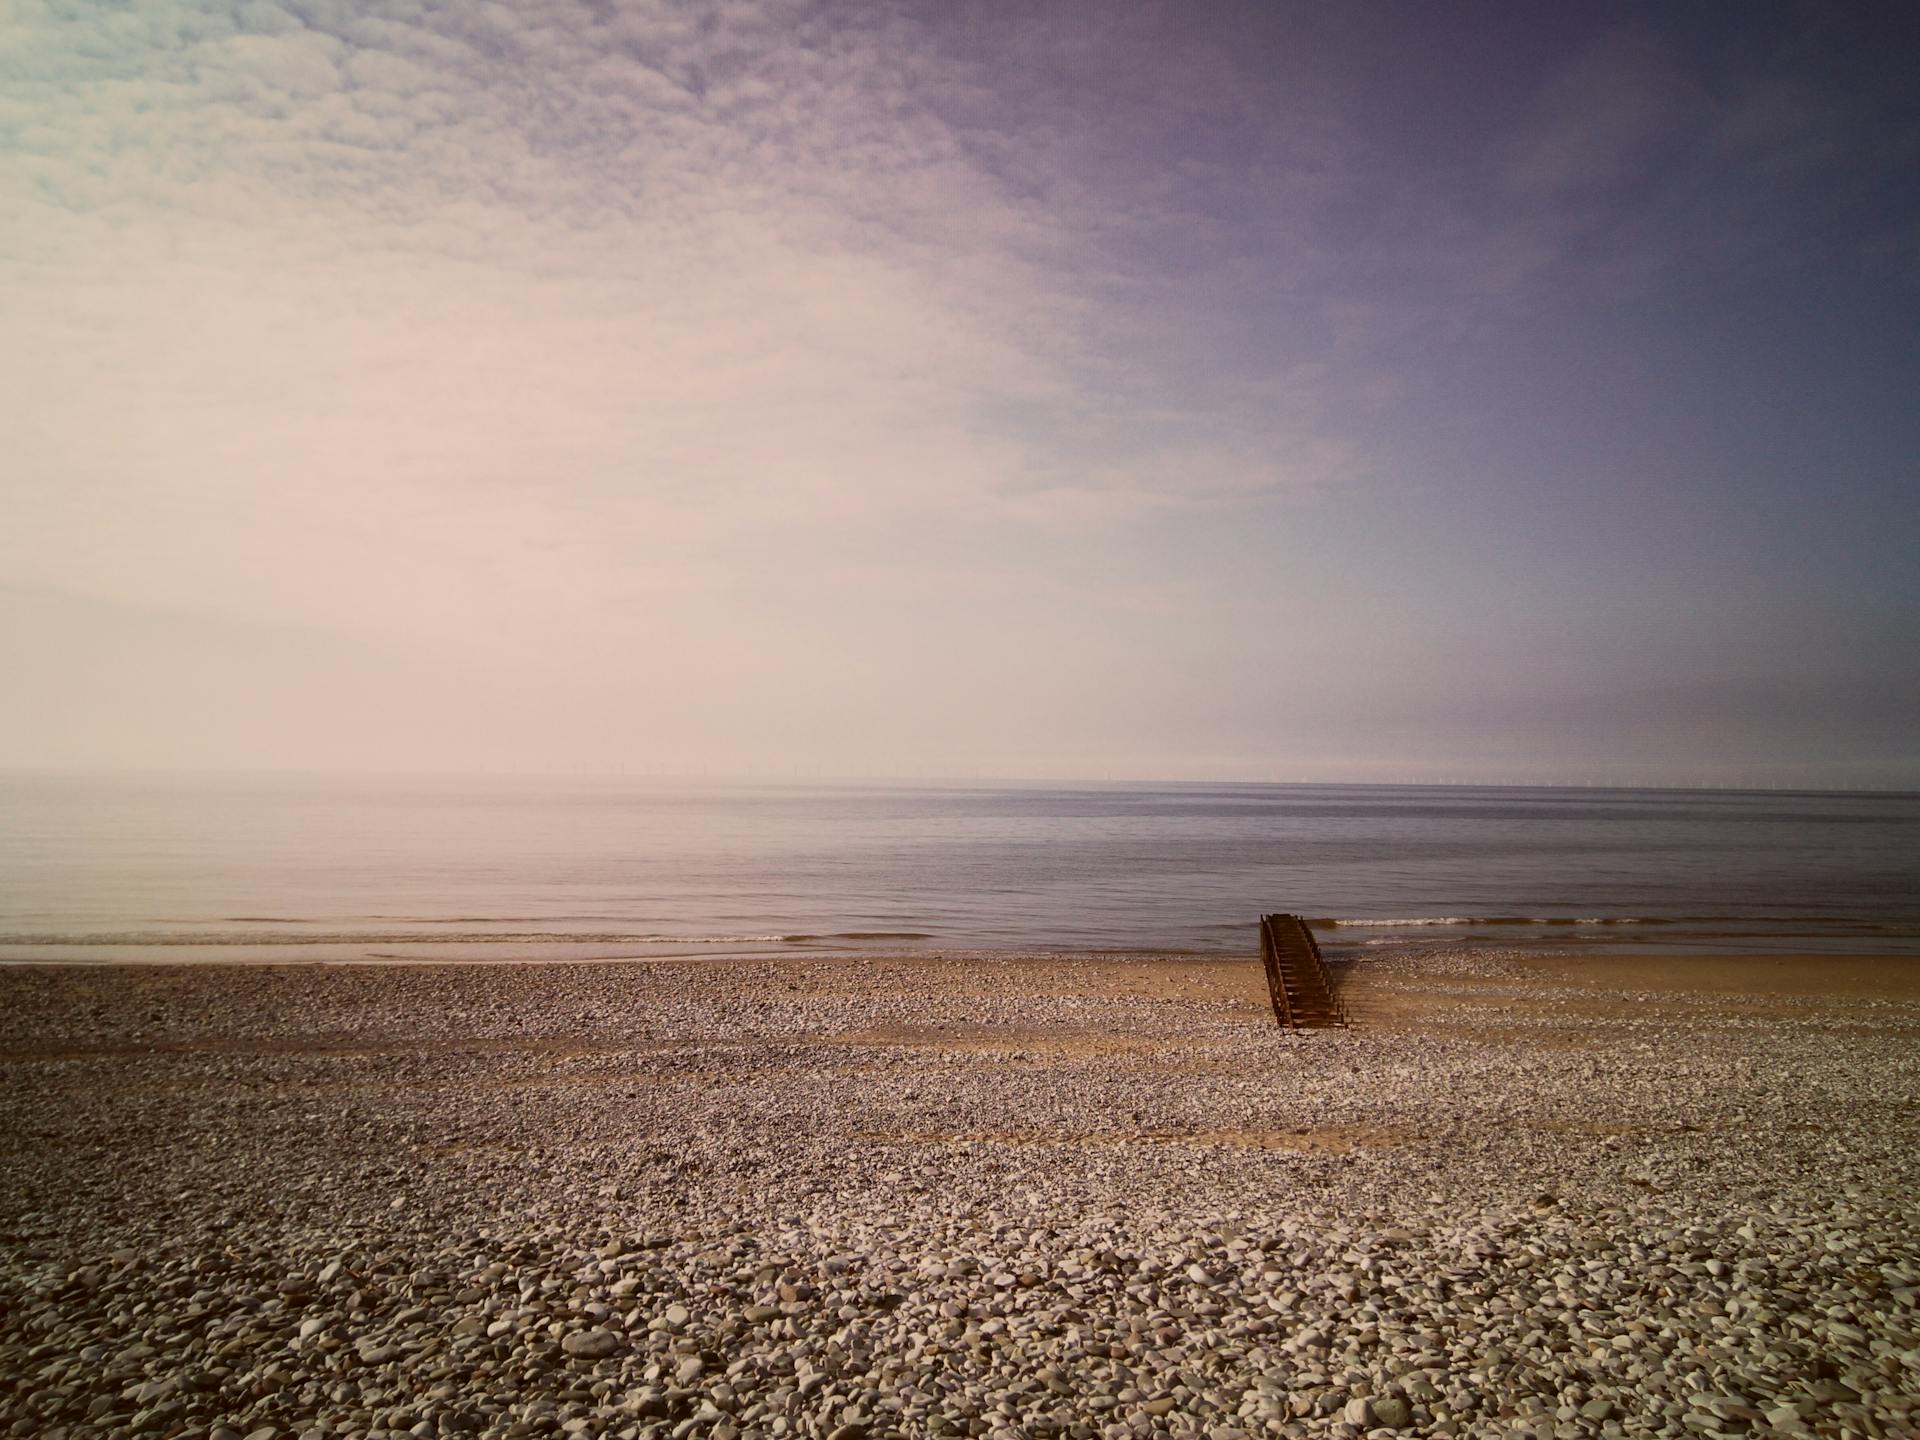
pixel 879 386
pixel 532 331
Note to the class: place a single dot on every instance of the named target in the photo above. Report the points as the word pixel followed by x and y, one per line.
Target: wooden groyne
pixel 1297 977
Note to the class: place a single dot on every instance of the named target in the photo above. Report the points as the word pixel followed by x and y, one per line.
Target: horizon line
pixel 947 780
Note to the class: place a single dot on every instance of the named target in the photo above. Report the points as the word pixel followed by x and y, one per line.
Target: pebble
pixel 591 1344
pixel 634 1205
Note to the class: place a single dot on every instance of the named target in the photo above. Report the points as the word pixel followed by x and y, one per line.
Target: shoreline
pixel 1734 948
pixel 990 1194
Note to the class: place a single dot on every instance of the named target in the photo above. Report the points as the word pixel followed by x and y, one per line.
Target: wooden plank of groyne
pixel 1276 982
pixel 1298 981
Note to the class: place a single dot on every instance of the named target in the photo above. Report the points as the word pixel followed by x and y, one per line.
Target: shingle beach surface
pixel 964 1195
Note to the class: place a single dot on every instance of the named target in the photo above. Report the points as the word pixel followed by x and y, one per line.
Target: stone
pixel 1040 1287
pixel 590 1344
pixel 1391 1411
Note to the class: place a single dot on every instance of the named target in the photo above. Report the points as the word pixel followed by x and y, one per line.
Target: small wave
pixel 1394 924
pixel 496 919
pixel 1480 920
pixel 380 937
pixel 1735 922
pixel 810 938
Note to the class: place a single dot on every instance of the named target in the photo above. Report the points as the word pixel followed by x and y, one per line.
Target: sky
pixel 1479 393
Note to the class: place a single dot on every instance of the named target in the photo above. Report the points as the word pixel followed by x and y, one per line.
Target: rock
pixel 972 1261
pixel 1392 1412
pixel 590 1344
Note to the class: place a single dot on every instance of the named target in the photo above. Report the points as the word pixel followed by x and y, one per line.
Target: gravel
pixel 989 1197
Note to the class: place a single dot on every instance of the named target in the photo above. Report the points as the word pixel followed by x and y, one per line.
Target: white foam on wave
pixel 1385 924
pixel 1457 920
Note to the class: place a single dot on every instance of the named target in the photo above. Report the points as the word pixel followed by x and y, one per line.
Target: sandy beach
pixel 990 1194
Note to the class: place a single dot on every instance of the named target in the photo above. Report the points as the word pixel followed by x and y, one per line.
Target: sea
pixel 170 868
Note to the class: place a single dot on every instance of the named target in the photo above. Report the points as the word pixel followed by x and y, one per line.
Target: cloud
pixel 1609 116
pixel 605 235
pixel 661 360
pixel 1644 167
pixel 933 351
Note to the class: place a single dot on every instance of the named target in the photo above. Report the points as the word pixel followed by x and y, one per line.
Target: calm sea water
pixel 496 869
